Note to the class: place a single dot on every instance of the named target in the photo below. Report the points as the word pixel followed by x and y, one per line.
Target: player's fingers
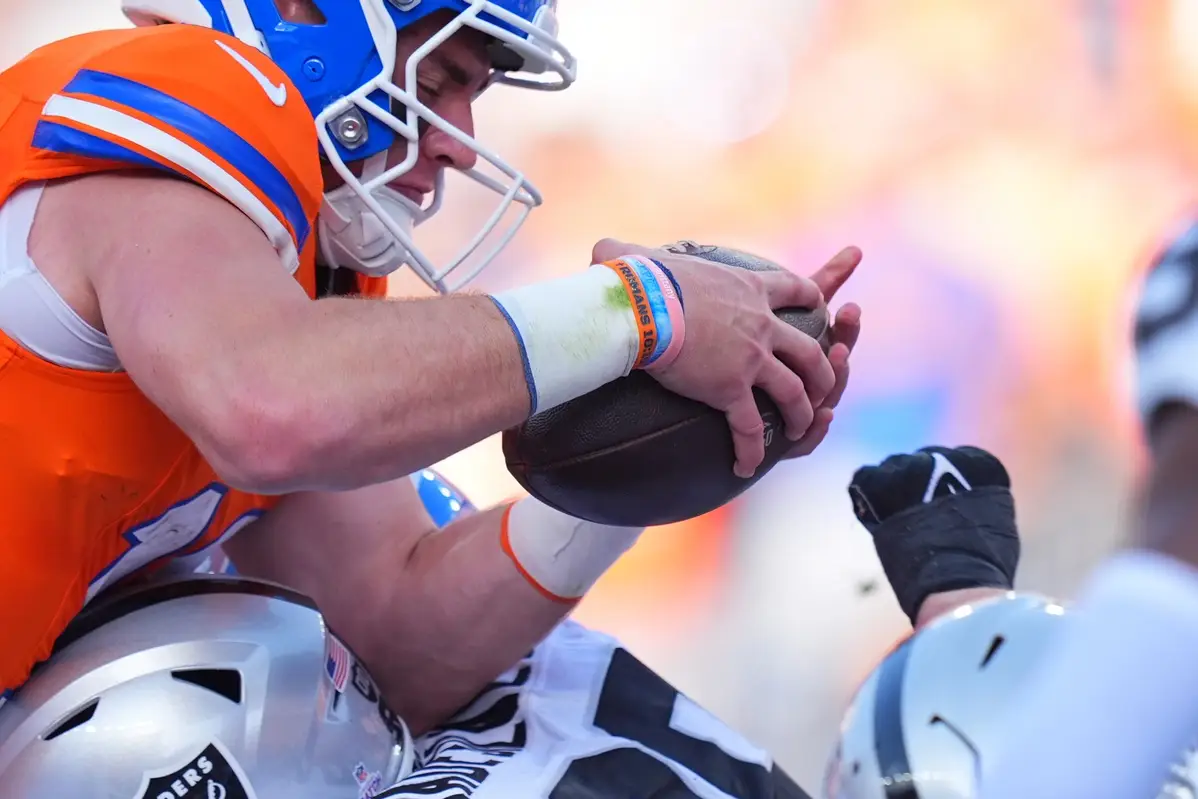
pixel 814 436
pixel 787 290
pixel 832 275
pixel 786 389
pixel 838 357
pixel 846 328
pixel 748 434
pixel 805 358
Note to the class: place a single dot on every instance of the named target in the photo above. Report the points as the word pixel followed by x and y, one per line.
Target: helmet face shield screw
pixel 350 129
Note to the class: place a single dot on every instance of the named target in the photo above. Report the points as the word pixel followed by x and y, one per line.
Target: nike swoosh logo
pixel 277 94
pixel 944 470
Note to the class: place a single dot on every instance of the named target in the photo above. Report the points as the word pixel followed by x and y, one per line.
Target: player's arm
pixel 943 525
pixel 436 614
pixel 189 257
pixel 282 394
pixel 278 391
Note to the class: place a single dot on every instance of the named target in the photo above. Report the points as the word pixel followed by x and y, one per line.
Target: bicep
pixel 186 285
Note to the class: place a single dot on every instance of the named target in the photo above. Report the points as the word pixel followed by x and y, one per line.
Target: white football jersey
pixel 1167 328
pixel 581 718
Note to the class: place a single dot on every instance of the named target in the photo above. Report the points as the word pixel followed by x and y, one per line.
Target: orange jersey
pixel 95 482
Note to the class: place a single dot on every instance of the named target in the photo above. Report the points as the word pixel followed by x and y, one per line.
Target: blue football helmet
pixel 345 68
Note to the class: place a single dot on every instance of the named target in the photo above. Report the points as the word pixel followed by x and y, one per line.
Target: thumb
pixel 609 249
pixel 832 275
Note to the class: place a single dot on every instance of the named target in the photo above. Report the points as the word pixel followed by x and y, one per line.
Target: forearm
pixel 457 616
pixel 371 390
pixel 436 615
pixel 379 389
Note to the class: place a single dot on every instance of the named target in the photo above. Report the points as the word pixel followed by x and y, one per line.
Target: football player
pixel 1126 660
pixel 580 716
pixel 288 706
pixel 929 720
pixel 174 196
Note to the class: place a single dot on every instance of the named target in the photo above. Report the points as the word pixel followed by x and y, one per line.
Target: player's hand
pixel 846 328
pixel 942 520
pixel 735 342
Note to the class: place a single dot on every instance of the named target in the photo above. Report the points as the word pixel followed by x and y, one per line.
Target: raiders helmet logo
pixel 212 774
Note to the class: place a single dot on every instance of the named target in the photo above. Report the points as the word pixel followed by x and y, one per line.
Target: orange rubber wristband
pixel 646 325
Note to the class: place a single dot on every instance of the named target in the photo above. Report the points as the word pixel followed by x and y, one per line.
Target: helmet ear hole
pixel 77 719
pixel 995 645
pixel 225 682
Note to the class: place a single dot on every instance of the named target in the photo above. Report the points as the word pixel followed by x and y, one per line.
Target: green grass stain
pixel 582 343
pixel 617 298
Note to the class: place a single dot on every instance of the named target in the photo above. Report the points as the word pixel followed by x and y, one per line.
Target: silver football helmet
pixel 204 688
pixel 924 719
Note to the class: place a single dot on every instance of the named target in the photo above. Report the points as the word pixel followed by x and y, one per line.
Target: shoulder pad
pixel 202 105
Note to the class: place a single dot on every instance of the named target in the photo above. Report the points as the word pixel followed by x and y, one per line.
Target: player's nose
pixel 447 150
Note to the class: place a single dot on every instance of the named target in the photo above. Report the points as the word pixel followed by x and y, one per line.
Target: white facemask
pixel 366 226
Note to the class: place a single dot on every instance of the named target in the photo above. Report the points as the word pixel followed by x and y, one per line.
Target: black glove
pixel 941 519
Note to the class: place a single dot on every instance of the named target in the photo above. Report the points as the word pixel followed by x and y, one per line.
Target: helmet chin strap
pixel 351 234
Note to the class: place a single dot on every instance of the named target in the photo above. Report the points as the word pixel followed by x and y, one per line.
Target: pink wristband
pixel 677 317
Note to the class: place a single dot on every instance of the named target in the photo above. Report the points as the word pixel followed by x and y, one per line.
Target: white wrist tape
pixel 562 557
pixel 576 333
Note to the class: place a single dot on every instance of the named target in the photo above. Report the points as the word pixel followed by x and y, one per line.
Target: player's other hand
pixel 735 342
pixel 942 519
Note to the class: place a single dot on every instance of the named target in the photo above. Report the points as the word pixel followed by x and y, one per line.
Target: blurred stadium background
pixel 1007 168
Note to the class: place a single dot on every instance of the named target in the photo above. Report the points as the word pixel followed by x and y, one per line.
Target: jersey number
pixel 637 704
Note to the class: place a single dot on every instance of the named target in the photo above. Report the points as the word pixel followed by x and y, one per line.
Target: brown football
pixel 633 453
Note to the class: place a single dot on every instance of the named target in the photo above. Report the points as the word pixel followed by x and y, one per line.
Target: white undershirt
pixel 32 313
